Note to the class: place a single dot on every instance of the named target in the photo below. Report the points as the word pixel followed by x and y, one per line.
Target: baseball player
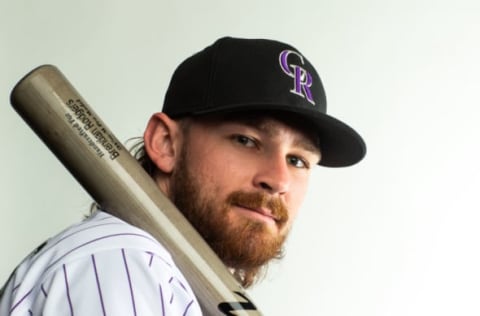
pixel 243 123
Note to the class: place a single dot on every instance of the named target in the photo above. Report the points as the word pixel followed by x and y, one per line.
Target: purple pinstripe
pixel 151 259
pixel 188 306
pixel 43 291
pixel 161 299
pixel 20 301
pixel 152 256
pixel 98 285
pixel 129 282
pixel 68 289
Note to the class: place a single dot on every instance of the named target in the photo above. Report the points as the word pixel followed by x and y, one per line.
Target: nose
pixel 273 176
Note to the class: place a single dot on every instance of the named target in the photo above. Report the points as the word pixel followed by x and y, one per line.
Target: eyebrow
pixel 305 142
pixel 308 145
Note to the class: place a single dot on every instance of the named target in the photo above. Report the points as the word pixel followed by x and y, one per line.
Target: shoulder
pixel 120 281
pixel 102 232
pixel 103 259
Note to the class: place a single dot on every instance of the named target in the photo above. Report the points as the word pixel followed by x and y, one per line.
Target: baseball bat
pixel 57 113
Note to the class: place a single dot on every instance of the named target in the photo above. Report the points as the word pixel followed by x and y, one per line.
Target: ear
pixel 161 139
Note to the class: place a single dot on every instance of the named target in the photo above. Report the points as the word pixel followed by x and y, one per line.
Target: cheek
pixel 217 172
pixel 296 197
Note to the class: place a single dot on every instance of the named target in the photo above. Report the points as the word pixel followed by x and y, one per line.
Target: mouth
pixel 263 214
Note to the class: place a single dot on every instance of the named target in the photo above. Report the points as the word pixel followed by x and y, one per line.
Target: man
pixel 243 124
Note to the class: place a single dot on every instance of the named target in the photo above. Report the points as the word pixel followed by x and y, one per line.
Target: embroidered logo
pixel 302 79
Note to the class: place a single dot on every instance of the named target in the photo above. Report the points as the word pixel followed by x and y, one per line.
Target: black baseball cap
pixel 260 75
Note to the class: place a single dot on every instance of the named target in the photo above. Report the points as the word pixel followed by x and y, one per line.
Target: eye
pixel 245 140
pixel 298 162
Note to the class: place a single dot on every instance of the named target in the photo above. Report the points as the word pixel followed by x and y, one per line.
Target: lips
pixel 262 211
pixel 256 214
pixel 260 203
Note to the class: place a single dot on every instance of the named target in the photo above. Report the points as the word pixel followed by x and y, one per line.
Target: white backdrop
pixel 395 235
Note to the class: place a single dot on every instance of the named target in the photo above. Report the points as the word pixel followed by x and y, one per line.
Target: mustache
pixel 257 200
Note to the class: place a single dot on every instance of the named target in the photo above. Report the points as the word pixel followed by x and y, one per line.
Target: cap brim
pixel 341 145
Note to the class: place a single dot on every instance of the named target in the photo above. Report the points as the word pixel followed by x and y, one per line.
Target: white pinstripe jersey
pixel 101 266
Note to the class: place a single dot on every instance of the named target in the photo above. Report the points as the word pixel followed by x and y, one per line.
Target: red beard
pixel 241 244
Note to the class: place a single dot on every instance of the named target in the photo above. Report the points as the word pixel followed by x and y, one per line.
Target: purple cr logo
pixel 302 80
